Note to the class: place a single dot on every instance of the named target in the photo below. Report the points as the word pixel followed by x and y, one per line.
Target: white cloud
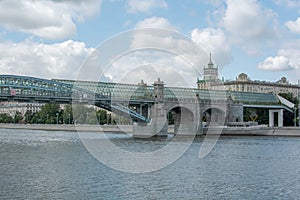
pixel 155 22
pixel 277 63
pixel 148 65
pixel 293 55
pixel 294 26
pixel 59 60
pixel 250 24
pixel 288 3
pixel 285 60
pixel 157 35
pixel 247 19
pixel 144 6
pixel 214 41
pixel 154 52
pixel 52 19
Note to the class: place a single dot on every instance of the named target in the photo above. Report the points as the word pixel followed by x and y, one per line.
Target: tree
pixel 28 116
pixel 5 118
pixel 262 115
pixel 18 117
pixel 79 114
pixel 102 116
pixel 91 118
pixel 50 113
pixel 84 115
pixel 289 96
pixel 171 118
pixel 67 114
pixel 295 100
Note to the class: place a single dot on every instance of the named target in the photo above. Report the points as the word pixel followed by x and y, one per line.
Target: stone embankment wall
pixel 63 127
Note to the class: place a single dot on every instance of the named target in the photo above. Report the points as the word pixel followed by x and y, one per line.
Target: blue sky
pixel 52 38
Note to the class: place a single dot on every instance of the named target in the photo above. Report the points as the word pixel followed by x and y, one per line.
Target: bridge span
pixel 147 105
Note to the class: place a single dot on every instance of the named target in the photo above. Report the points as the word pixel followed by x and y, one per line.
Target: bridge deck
pixel 112 95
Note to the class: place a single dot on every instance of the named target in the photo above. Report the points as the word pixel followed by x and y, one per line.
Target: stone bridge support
pixel 235 112
pixel 188 114
pixel 279 113
pixel 158 126
pixel 186 118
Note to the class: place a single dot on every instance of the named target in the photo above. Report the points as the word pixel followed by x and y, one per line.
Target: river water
pixel 56 165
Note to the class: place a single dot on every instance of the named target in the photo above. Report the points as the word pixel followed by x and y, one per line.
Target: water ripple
pixel 55 165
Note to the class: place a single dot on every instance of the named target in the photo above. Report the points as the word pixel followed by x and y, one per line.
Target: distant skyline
pixel 51 38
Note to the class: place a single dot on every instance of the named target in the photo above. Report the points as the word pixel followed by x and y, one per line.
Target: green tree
pixel 5 118
pixel 170 118
pixel 18 117
pixel 289 96
pixel 91 118
pixel 262 115
pixel 79 114
pixel 50 113
pixel 84 115
pixel 67 114
pixel 295 100
pixel 102 116
pixel 28 116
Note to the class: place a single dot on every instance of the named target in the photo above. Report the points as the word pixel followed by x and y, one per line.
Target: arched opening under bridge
pixel 182 119
pixel 213 117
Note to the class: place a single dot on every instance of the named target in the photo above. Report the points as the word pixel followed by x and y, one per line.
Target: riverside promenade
pixel 72 127
pixel 230 131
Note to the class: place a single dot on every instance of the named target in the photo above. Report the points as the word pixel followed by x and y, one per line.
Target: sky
pixel 61 38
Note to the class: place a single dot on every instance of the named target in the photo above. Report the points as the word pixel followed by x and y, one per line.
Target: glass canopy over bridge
pixel 145 92
pixel 113 96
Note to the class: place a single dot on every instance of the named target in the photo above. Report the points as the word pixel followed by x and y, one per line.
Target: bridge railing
pixel 31 89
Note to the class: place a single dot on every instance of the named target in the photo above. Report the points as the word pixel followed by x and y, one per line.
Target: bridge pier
pixel 158 126
pixel 185 120
pixel 279 119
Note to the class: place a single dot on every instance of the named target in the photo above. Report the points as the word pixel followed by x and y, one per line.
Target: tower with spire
pixel 210 75
pixel 210 71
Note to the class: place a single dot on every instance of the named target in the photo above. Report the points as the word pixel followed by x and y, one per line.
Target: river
pixel 56 165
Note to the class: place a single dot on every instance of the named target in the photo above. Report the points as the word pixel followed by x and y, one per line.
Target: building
pixel 210 76
pixel 11 108
pixel 244 84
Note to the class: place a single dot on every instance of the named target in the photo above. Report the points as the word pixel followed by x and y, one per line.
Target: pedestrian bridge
pixel 144 104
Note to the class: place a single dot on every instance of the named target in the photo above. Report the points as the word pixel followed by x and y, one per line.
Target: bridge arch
pixel 183 119
pixel 213 116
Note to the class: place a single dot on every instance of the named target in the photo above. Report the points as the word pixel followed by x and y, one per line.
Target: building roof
pixel 254 98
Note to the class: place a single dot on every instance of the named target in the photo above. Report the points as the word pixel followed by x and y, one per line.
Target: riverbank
pixel 71 127
pixel 230 131
pixel 254 131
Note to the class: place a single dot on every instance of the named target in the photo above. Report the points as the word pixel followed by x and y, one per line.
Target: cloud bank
pixel 144 6
pixel 50 19
pixel 58 60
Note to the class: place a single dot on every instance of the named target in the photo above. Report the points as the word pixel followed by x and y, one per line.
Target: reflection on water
pixel 55 165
